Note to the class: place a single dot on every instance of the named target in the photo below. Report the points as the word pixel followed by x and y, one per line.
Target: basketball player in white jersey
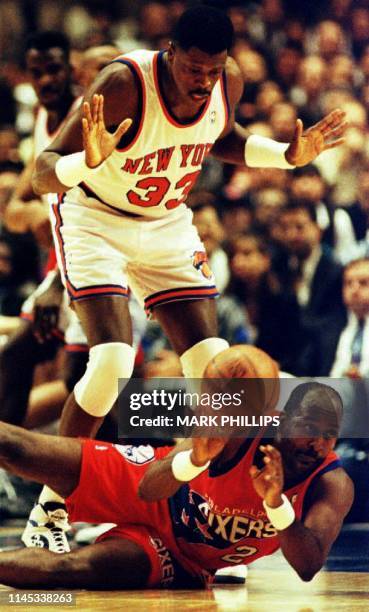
pixel 49 70
pixel 124 165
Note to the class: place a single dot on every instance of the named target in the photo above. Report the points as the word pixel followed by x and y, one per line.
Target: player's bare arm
pixel 96 127
pixel 22 207
pixel 306 544
pixel 160 482
pixel 304 147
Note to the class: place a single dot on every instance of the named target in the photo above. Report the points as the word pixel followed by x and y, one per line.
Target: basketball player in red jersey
pixel 182 514
pixel 124 165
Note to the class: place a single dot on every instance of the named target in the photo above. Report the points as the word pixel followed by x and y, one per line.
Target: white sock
pixel 48 495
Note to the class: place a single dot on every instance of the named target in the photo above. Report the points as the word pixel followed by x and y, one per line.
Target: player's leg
pixel 191 327
pixel 18 359
pixel 115 563
pixel 107 324
pixel 42 458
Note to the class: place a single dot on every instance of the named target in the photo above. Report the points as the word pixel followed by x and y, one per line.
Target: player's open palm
pixel 326 134
pixel 206 449
pixel 268 482
pixel 97 141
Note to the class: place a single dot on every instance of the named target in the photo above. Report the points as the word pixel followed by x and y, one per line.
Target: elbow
pixel 144 492
pixel 306 576
pixel 307 573
pixel 37 185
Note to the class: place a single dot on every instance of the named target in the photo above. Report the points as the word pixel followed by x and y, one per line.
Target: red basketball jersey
pixel 218 519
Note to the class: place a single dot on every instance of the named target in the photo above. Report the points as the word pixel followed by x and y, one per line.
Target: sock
pixel 48 495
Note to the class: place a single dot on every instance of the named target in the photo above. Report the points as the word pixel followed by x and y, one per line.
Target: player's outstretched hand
pixel 206 449
pixel 307 144
pixel 268 482
pixel 97 141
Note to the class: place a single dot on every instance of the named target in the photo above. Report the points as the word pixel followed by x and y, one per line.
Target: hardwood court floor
pixel 271 587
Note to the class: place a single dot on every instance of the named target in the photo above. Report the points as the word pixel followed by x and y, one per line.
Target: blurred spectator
pixel 267 203
pixel 359 212
pixel 329 40
pixel 341 167
pixel 236 217
pixel 307 185
pixel 352 355
pixel 359 29
pixel 283 121
pixel 7 108
pixel 92 61
pixel 310 275
pixel 310 85
pixel 287 65
pixel 254 286
pixel 211 232
pixel 9 143
pixel 18 272
pixel 269 93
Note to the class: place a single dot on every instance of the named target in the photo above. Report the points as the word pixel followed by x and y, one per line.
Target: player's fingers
pixel 87 114
pixel 337 131
pixel 332 145
pixel 85 127
pixel 334 118
pixel 95 108
pixel 299 128
pixel 273 452
pixel 122 128
pixel 100 110
pixel 254 472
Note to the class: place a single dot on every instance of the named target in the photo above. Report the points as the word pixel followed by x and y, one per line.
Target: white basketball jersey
pixel 41 135
pixel 153 175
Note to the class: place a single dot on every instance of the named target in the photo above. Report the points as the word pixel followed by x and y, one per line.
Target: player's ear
pixel 171 50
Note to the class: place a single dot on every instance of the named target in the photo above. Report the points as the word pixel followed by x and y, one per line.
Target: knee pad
pixel 196 358
pixel 97 390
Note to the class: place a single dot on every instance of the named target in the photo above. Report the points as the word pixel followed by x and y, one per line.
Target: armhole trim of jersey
pixel 137 74
pixel 223 87
pixel 333 465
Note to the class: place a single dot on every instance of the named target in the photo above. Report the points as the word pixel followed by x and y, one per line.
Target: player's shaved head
pixel 315 396
pixel 206 28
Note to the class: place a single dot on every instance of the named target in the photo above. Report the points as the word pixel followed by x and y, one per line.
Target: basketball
pixel 245 361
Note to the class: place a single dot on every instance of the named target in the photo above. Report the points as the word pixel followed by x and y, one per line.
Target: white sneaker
pixel 46 527
pixel 235 574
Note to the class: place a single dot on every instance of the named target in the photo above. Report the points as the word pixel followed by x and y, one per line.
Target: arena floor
pixel 271 585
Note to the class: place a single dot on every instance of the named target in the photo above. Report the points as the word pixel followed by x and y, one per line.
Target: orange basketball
pixel 245 361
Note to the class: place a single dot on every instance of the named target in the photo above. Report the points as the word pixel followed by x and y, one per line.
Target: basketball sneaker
pixel 231 575
pixel 46 527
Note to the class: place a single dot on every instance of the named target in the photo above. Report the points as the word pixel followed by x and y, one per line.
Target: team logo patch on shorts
pixel 136 454
pixel 200 262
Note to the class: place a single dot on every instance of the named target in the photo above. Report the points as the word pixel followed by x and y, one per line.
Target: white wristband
pixel 281 517
pixel 183 469
pixel 72 169
pixel 261 152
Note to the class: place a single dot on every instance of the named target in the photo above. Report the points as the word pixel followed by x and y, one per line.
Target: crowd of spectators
pixel 279 242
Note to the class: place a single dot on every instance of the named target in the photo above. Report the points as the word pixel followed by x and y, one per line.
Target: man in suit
pixel 310 281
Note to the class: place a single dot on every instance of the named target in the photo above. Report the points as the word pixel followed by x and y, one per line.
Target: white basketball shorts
pixel 103 251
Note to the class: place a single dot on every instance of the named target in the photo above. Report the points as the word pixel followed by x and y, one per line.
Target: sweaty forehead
pixel 35 57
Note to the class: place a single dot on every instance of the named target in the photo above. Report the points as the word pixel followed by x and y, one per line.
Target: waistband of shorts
pixel 91 194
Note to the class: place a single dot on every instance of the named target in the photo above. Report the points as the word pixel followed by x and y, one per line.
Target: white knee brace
pixel 196 358
pixel 97 390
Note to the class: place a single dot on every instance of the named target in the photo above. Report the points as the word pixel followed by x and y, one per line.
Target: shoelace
pixel 59 538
